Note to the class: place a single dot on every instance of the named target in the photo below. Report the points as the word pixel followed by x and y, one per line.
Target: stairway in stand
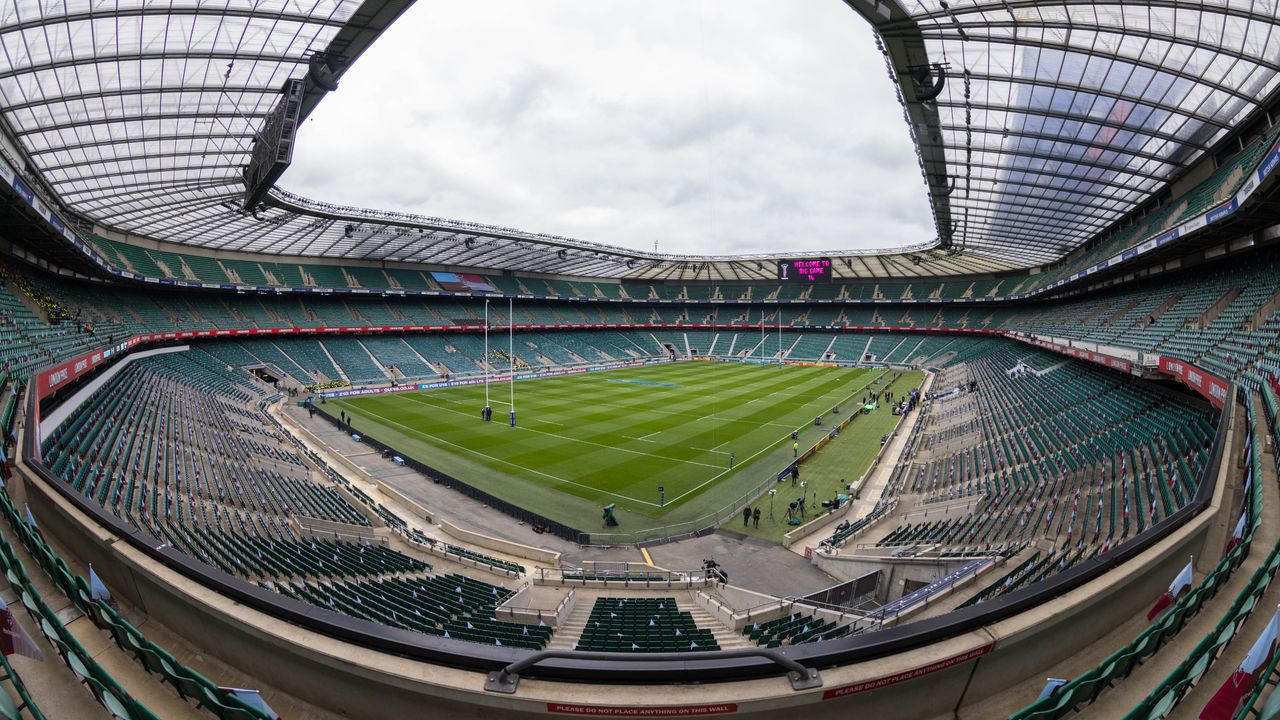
pixel 726 638
pixel 570 631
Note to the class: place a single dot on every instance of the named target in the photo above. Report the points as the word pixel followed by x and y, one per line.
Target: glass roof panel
pixel 1057 119
pixel 124 106
pixel 1094 105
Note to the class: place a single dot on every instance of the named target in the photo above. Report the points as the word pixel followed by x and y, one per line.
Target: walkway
pixel 874 487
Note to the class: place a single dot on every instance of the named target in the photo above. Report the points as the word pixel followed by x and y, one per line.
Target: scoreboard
pixel 805 270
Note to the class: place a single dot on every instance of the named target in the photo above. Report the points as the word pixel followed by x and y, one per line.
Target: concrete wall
pixel 893 571
pixel 539 555
pixel 535 604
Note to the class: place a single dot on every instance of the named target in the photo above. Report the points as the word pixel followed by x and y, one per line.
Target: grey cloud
pixel 771 129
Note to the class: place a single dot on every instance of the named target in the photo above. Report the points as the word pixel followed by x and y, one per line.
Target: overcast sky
pixel 707 125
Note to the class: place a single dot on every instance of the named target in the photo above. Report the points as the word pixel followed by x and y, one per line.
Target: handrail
pixel 507 679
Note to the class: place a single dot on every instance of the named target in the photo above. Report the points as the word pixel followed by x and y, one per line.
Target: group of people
pixel 749 515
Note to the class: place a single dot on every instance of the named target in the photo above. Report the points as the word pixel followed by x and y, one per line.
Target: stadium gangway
pixel 893 610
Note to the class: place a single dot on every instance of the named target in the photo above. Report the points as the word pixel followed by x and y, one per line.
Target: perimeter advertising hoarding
pixel 1114 363
pixel 1213 388
pixel 51 379
pixel 494 379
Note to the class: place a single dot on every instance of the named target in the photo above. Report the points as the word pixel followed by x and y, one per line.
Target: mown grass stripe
pixel 595 441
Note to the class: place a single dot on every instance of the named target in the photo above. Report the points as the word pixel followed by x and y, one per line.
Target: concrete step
pixel 570 631
pixel 726 638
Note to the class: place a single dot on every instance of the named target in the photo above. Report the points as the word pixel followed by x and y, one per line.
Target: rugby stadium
pixel 271 456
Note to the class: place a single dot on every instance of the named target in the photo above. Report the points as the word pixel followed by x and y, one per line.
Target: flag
pixel 1225 703
pixel 14 639
pixel 97 590
pixel 1050 686
pixel 1237 536
pixel 253 699
pixel 1180 585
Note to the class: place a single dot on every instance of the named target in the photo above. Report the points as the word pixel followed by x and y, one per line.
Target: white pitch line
pixel 571 439
pixel 764 449
pixel 670 413
pixel 416 431
pixel 646 437
pixel 625 497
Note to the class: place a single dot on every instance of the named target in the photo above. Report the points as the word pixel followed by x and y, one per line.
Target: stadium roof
pixel 1059 117
pixel 1054 120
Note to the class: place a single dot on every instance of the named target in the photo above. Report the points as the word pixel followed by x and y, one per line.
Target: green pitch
pixel 586 440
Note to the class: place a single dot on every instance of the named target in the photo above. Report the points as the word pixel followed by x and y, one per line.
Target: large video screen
pixel 804 270
pixel 463 283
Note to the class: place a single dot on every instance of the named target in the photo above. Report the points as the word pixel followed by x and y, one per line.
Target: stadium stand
pixel 1097 317
pixel 1086 688
pixel 796 629
pixel 225 492
pixel 453 606
pixel 1062 433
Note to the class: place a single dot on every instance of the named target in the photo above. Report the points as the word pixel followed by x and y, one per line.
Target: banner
pixel 51 379
pixel 1210 386
pixel 1114 363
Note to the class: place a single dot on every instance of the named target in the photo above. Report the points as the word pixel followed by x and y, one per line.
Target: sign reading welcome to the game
pixel 805 270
